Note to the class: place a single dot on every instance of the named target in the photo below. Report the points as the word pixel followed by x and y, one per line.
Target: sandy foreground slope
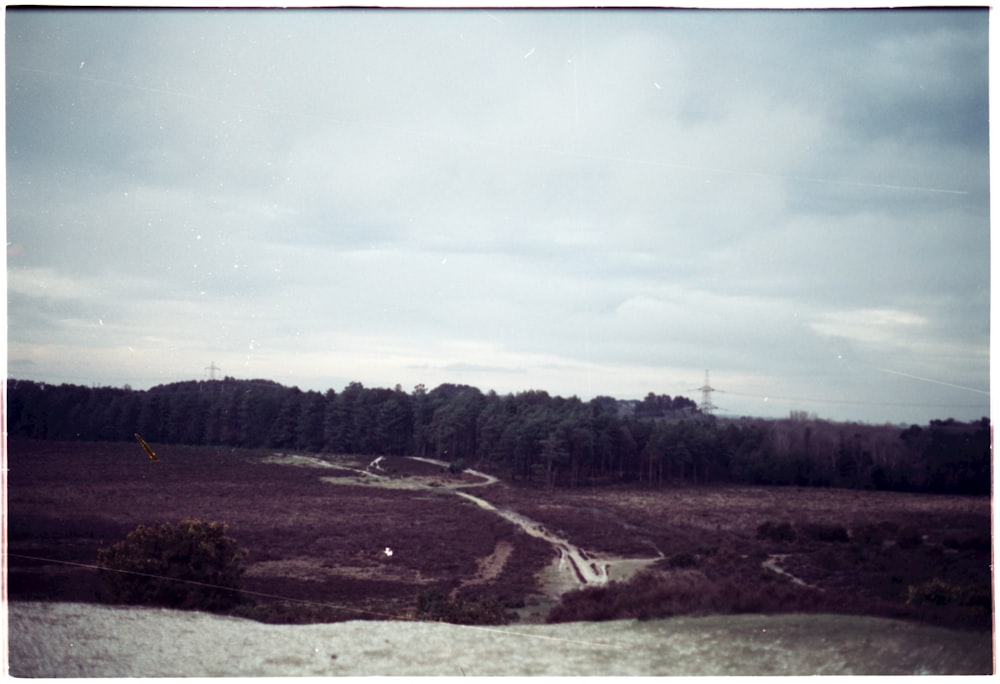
pixel 80 640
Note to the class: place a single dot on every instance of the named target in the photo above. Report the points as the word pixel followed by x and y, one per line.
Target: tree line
pixel 529 436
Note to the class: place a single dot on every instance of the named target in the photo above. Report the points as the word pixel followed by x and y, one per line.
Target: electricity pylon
pixel 706 405
pixel 212 368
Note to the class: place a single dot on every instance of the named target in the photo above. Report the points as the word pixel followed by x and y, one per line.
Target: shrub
pixel 937 592
pixel 191 564
pixel 776 531
pixel 824 532
pixel 652 594
pixel 682 560
pixel 437 606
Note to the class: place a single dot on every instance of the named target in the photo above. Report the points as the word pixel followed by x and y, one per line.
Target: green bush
pixel 437 606
pixel 191 564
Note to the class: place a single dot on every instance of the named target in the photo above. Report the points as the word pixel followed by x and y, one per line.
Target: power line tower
pixel 706 406
pixel 212 368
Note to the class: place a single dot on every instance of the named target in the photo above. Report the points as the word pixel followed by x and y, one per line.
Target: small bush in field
pixel 824 532
pixel 776 531
pixel 435 605
pixel 937 592
pixel 191 564
pixel 682 560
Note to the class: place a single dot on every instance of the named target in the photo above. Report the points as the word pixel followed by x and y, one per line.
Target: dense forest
pixel 531 435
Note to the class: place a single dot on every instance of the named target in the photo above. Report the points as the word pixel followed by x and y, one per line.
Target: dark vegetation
pixel 436 605
pixel 852 577
pixel 316 549
pixel 886 554
pixel 633 479
pixel 191 564
pixel 530 436
pixel 653 594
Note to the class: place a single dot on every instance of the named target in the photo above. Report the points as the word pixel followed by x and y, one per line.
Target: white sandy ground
pixel 78 640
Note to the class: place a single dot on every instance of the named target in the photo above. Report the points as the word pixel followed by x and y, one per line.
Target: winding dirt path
pixel 574 568
pixel 487 479
pixel 574 563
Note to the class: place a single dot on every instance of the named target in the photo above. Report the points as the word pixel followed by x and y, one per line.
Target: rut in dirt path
pixel 571 557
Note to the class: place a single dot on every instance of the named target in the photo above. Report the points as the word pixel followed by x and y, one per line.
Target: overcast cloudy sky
pixel 585 202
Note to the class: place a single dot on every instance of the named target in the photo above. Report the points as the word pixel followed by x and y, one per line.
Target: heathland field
pixel 334 538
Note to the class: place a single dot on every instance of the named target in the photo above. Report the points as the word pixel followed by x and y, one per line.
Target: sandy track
pixel 486 479
pixel 80 640
pixel 574 567
pixel 491 566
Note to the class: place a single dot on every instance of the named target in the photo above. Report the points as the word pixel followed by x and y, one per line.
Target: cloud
pixel 46 283
pixel 328 196
pixel 871 326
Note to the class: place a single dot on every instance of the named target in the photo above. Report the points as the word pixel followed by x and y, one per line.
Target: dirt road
pixel 574 567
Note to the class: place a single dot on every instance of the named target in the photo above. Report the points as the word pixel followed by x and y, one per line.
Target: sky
pixel 586 202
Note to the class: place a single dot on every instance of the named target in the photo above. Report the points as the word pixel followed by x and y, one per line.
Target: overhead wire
pixel 365 611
